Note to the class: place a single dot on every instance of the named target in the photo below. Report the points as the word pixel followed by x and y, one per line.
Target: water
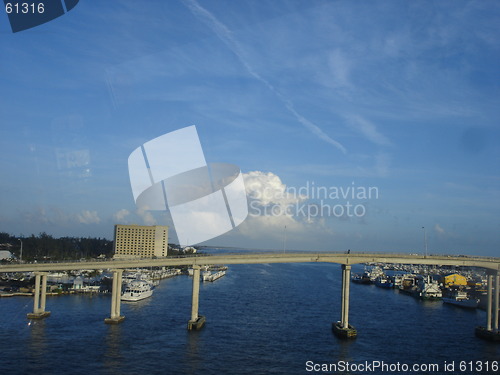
pixel 261 319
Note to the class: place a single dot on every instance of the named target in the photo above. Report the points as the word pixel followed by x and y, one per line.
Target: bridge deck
pixel 267 257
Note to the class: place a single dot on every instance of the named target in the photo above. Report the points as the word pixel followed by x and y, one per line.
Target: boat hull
pixel 134 297
pixel 386 285
pixel 464 303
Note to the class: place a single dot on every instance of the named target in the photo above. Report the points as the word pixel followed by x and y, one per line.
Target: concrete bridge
pixel 492 266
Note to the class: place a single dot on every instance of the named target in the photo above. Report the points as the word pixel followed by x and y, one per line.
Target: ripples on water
pixel 261 319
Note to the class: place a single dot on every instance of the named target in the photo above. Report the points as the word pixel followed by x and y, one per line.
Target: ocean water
pixel 261 319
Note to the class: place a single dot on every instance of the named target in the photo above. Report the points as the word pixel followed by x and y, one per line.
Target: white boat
pixel 398 280
pixel 460 298
pixel 375 273
pixel 209 276
pixel 128 277
pixel 137 290
pixel 429 289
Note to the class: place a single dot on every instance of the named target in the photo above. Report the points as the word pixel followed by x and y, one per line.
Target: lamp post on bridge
pixel 21 252
pixel 284 242
pixel 425 240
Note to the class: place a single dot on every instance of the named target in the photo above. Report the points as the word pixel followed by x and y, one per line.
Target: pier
pixel 342 328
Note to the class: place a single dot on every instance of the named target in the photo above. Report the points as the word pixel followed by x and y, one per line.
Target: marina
pixel 71 282
pixel 274 298
pixel 464 288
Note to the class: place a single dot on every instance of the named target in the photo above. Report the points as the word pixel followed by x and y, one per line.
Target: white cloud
pixel 439 229
pixel 88 217
pixel 368 130
pixel 50 216
pixel 56 216
pixel 273 212
pixel 146 217
pixel 121 215
pixel 267 188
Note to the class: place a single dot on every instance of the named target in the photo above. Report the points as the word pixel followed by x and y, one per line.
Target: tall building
pixel 140 241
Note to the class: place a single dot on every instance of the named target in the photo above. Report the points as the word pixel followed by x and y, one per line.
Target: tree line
pixel 46 247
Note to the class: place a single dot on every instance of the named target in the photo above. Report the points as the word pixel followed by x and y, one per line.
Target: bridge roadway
pixel 342 328
pixel 264 257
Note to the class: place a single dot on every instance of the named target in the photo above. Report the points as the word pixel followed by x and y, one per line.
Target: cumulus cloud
pixel 269 203
pixel 121 215
pixel 267 188
pixel 146 217
pixel 273 214
pixel 88 217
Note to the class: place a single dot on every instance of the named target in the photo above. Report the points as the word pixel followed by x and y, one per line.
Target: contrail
pixel 226 36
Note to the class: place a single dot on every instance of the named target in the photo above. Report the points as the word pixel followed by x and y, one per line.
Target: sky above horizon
pixel 317 102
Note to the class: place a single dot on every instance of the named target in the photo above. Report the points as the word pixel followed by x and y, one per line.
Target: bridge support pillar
pixel 491 332
pixel 496 302
pixel 116 293
pixel 489 307
pixel 40 297
pixel 342 328
pixel 197 321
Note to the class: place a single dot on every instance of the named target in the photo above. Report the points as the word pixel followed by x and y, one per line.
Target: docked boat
pixel 384 282
pixel 137 290
pixel 375 273
pixel 461 298
pixel 429 289
pixel 397 280
pixel 357 278
pixel 408 284
pixel 361 279
pixel 209 276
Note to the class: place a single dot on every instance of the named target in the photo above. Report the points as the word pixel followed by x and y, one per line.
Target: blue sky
pixel 401 96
